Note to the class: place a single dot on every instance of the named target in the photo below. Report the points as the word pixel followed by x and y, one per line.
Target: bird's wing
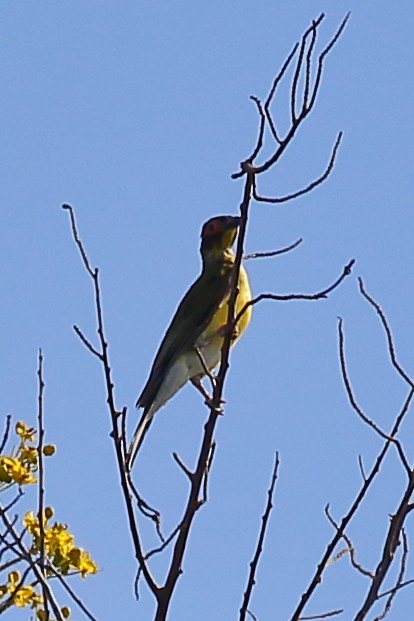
pixel 192 316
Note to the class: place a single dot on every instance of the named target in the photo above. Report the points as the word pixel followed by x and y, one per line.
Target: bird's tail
pixel 138 437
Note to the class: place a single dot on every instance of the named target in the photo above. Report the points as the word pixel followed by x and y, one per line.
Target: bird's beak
pixel 233 222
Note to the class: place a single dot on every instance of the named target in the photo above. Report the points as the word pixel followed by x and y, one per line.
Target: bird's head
pixel 218 235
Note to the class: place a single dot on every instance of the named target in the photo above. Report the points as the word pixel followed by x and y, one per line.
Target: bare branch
pixel 310 186
pixel 387 329
pixel 297 296
pixel 260 136
pixel 400 579
pixel 317 576
pixel 113 410
pixel 41 482
pixel 401 586
pixel 361 468
pixel 86 342
pixel 72 593
pixel 182 465
pixel 259 547
pixel 6 433
pixel 299 65
pixel 324 615
pixel 350 545
pixel 391 543
pixel 321 60
pixel 273 253
pixel 268 101
pixel 358 409
pixel 78 242
pixel 203 363
pixel 305 108
pixel 272 93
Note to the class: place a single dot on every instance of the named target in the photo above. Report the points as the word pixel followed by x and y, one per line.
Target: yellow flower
pixel 31 522
pixel 3 590
pixel 58 540
pixel 59 545
pixel 28 455
pixel 26 433
pixel 12 470
pixel 24 596
pixel 80 559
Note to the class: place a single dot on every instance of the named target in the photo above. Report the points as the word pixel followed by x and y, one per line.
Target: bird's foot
pixel 208 399
pixel 226 328
pixel 217 408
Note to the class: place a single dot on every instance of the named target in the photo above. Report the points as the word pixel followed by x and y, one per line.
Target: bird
pixel 192 343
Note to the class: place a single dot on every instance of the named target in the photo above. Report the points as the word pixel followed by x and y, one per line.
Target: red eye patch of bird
pixel 216 226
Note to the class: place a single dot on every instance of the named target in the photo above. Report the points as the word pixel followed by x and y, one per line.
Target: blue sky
pixel 137 114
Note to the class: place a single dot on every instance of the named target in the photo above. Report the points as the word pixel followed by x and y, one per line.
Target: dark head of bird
pixel 217 236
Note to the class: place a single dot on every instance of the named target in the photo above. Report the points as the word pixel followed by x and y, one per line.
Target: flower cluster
pixel 25 595
pixel 51 542
pixel 20 467
pixel 21 594
pixel 59 545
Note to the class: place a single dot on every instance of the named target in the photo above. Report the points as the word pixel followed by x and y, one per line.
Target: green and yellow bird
pixel 194 338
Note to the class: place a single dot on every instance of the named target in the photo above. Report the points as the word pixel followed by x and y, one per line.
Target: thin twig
pixel 297 296
pixel 273 253
pixel 260 135
pixel 358 409
pixel 86 342
pixel 268 101
pixel 72 593
pixel 41 482
pixel 6 433
pixel 299 66
pixel 272 92
pixel 182 465
pixel 251 581
pixel 361 468
pixel 324 615
pixel 313 184
pixel 350 545
pixel 92 272
pixel 308 68
pixel 204 365
pixel 321 59
pixel 401 586
pixel 388 333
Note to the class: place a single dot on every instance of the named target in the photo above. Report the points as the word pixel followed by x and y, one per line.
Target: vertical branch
pixel 259 547
pixel 103 356
pixel 41 483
